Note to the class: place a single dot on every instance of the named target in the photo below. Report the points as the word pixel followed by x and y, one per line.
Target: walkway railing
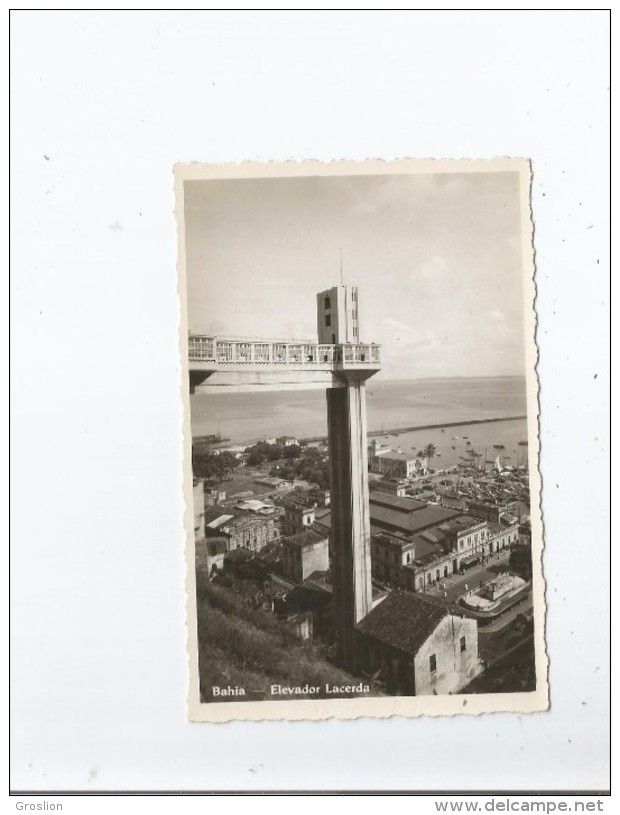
pixel 222 352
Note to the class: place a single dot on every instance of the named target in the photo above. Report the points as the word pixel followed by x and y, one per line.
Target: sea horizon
pixel 245 418
pixel 424 378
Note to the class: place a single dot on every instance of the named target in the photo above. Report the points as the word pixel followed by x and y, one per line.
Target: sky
pixel 437 258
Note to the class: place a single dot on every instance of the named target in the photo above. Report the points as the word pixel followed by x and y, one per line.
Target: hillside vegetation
pixel 250 648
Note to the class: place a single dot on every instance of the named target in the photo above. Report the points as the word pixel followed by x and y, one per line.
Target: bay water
pixel 249 417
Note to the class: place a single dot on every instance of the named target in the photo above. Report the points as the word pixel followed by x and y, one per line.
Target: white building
pixel 286 441
pixel 395 464
pixel 501 537
pixel 338 316
pixel 418 648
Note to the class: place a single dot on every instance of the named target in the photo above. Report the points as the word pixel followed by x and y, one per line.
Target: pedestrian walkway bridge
pixel 272 362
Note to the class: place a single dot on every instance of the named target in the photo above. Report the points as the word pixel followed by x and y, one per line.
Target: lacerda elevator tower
pixel 338 317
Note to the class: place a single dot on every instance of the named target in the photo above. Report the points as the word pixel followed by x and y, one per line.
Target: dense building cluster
pixel 410 641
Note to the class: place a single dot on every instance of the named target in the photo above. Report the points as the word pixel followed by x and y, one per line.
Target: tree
pixel 207 465
pixel 262 451
pixel 520 561
pixel 228 461
pixel 320 476
pixel 292 451
pixel 213 466
pixel 311 454
pixel 255 458
pixel 429 451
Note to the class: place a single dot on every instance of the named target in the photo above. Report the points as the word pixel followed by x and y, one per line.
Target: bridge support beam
pixel 350 529
pixel 197 378
pixel 248 381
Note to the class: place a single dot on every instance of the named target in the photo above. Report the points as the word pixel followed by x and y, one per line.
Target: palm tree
pixel 429 451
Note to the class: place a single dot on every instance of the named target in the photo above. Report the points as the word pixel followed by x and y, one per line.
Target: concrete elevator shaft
pixel 351 575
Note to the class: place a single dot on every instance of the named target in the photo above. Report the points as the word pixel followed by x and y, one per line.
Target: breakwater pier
pixel 392 431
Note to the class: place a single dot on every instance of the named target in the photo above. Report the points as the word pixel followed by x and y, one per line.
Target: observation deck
pixel 244 362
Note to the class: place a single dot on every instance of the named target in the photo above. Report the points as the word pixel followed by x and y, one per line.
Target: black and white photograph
pixel 310 388
pixel 362 434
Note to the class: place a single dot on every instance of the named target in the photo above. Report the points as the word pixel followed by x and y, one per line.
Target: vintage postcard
pixel 364 532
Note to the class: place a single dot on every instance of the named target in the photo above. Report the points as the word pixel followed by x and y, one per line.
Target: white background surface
pixel 113 100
